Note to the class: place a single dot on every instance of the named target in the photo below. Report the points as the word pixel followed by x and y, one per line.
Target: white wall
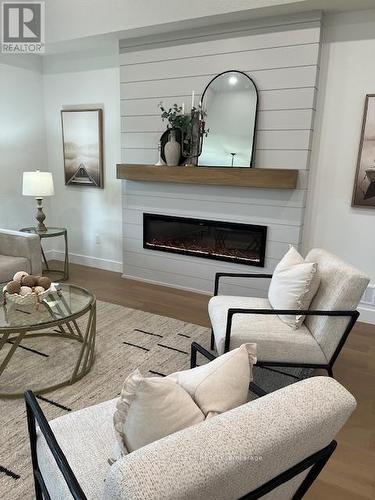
pixel 283 61
pixel 88 213
pixel 347 75
pixel 22 136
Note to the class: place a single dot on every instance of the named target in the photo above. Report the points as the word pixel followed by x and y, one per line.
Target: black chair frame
pixel 35 415
pixel 352 315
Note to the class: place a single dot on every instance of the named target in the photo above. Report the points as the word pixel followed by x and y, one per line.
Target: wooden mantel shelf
pixel 272 178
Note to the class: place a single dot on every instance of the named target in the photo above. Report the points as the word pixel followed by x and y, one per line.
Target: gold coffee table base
pixel 68 328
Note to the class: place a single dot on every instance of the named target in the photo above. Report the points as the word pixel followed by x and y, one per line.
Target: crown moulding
pixel 269 178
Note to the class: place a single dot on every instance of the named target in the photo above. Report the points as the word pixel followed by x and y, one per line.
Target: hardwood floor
pixel 350 473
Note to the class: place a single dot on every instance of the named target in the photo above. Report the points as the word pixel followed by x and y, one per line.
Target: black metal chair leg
pixel 32 433
pixel 212 344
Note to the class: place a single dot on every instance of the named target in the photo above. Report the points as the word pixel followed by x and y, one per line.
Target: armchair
pixel 19 252
pixel 277 444
pixel 317 343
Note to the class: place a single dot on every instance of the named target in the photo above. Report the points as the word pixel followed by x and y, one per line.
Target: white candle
pixel 192 99
pixel 183 108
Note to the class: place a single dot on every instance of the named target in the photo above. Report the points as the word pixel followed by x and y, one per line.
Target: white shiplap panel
pixel 139 156
pixel 276 78
pixel 300 34
pixel 301 98
pixel 223 194
pixel 249 217
pixel 206 208
pixel 287 99
pixel 262 59
pixel 285 119
pixel 194 283
pixel 281 139
pixel 267 120
pixel 263 159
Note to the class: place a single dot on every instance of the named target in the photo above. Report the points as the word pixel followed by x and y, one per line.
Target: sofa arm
pixel 19 244
pixel 237 452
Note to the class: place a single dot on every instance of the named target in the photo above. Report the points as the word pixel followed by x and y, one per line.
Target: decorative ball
pixel 25 290
pixel 28 281
pixel 18 276
pixel 44 282
pixel 13 287
pixel 38 290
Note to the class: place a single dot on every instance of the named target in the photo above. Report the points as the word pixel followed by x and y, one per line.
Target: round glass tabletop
pixel 64 303
pixel 51 231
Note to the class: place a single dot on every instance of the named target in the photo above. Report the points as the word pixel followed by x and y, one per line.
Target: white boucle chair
pixel 274 446
pixel 331 317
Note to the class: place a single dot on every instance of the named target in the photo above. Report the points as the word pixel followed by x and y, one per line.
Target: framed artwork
pixel 364 183
pixel 82 133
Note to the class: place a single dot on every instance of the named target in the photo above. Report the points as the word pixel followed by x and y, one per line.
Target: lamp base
pixel 40 216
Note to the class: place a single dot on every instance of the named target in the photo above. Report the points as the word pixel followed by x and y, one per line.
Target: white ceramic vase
pixel 172 150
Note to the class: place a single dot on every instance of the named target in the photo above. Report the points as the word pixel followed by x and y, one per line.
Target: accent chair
pixel 275 446
pixel 19 252
pixel 317 343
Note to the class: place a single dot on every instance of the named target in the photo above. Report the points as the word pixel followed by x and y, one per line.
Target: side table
pixel 51 233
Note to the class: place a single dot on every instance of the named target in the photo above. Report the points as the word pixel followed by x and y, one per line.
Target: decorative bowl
pixel 31 298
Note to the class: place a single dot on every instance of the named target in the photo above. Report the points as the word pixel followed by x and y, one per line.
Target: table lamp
pixel 38 184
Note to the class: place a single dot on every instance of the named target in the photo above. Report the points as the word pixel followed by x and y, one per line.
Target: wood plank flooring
pixel 350 474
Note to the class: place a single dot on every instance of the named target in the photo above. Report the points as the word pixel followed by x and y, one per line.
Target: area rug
pixel 126 339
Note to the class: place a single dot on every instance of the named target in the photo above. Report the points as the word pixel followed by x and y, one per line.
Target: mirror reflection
pixel 230 101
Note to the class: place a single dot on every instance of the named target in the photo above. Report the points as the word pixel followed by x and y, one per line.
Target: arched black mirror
pixel 230 102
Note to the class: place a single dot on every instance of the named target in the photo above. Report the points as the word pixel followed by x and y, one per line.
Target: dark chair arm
pixel 231 312
pixel 198 348
pixel 237 275
pixel 35 414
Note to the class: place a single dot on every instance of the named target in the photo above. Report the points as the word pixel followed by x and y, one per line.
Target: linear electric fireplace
pixel 229 241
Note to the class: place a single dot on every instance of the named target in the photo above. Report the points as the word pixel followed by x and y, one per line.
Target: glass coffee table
pixel 67 313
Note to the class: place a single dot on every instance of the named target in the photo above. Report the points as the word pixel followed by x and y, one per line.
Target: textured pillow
pixel 151 408
pixel 293 286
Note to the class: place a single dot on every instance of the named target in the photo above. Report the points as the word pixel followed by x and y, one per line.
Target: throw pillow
pixel 293 286
pixel 150 408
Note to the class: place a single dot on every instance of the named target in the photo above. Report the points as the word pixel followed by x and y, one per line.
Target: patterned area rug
pixel 126 339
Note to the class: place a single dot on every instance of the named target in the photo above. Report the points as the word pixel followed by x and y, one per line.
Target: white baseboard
pixel 367 314
pixel 169 285
pixel 86 260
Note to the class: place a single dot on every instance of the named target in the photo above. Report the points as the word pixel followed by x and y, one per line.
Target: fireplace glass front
pixel 229 241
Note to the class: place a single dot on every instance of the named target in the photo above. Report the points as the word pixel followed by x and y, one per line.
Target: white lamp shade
pixel 38 184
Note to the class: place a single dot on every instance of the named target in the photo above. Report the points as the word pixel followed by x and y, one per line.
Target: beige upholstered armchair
pixel 274 446
pixel 19 252
pixel 317 343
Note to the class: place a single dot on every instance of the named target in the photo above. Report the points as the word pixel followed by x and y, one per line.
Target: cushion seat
pixel 276 341
pixel 9 265
pixel 86 437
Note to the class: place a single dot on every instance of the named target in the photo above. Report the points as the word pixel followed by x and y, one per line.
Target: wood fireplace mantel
pixel 271 178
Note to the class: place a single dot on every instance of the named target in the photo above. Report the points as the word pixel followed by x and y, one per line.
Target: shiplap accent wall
pixel 282 57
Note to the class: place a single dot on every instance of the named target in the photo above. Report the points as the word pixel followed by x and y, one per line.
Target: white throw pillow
pixel 151 408
pixel 293 286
